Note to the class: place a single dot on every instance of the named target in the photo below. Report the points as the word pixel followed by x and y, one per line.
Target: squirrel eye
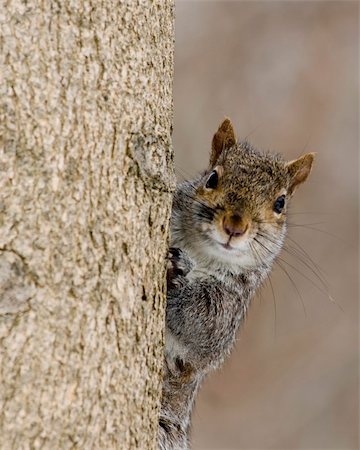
pixel 279 204
pixel 213 180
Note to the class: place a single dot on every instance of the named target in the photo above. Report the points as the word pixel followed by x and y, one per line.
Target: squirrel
pixel 227 226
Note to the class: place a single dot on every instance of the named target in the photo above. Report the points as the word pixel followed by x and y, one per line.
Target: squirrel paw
pixel 179 265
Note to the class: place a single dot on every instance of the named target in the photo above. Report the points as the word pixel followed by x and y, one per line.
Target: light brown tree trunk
pixel 85 195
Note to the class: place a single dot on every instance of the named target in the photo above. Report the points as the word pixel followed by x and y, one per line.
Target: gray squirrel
pixel 227 226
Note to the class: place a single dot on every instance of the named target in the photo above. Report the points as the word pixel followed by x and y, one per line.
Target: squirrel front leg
pixel 202 315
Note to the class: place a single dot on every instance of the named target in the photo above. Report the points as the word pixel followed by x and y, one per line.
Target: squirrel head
pixel 240 203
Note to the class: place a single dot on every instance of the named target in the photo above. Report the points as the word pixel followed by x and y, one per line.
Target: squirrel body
pixel 228 225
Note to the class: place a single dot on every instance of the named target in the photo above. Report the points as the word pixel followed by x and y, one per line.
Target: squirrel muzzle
pixel 235 225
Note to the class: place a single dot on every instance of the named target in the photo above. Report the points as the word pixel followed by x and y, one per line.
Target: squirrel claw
pixel 179 265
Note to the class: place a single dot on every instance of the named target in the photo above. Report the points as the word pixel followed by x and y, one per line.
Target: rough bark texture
pixel 85 181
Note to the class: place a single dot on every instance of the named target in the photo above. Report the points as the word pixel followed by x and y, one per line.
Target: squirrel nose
pixel 234 226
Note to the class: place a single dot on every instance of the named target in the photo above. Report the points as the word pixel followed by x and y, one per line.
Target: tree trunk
pixel 85 195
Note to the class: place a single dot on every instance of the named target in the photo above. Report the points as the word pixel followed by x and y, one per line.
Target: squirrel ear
pixel 224 138
pixel 299 169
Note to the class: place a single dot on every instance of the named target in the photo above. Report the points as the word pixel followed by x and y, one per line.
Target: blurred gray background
pixel 286 73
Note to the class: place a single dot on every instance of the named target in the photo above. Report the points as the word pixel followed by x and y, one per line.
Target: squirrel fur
pixel 228 225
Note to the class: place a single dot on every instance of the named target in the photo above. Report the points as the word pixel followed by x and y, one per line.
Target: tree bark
pixel 85 196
